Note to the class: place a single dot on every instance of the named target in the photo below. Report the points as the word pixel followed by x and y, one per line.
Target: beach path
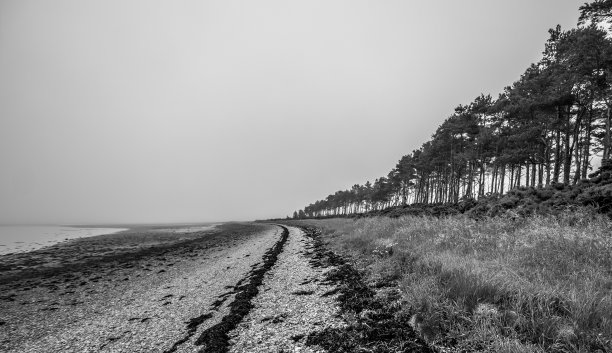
pixel 245 288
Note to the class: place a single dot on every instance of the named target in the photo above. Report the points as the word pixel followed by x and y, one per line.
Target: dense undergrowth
pixel 504 284
pixel 555 199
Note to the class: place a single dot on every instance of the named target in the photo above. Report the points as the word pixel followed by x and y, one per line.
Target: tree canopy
pixel 545 128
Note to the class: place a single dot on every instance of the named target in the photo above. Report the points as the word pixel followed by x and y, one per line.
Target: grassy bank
pixel 497 284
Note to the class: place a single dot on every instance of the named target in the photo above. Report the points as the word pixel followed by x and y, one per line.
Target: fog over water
pixel 189 111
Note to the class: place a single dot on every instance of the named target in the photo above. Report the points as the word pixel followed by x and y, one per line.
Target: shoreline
pixel 125 244
pixel 145 285
pixel 25 239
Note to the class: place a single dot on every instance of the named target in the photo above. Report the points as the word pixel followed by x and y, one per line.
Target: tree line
pixel 543 129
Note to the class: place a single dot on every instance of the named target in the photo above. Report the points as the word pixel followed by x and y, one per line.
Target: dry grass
pixel 506 285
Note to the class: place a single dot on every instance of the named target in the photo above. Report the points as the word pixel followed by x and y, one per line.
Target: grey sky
pixel 161 111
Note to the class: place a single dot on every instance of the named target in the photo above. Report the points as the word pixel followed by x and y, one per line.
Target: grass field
pixel 536 284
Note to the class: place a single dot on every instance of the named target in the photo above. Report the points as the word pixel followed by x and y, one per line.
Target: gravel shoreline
pixel 137 302
pixel 242 288
pixel 292 304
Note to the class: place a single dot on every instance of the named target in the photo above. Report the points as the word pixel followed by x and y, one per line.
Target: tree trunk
pixel 557 171
pixel 540 175
pixel 493 180
pixel 468 191
pixel 606 153
pixel 586 154
pixel 567 162
pixel 503 179
pixel 578 159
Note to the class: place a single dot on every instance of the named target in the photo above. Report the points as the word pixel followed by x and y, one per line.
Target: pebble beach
pixel 146 290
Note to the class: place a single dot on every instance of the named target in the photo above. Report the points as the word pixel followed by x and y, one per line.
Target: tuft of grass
pixel 535 284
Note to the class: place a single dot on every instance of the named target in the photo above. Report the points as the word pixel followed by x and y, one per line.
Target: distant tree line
pixel 543 129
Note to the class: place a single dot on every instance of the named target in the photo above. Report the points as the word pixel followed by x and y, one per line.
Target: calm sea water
pixel 27 238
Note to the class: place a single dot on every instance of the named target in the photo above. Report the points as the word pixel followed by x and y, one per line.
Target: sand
pixel 132 292
pixel 240 288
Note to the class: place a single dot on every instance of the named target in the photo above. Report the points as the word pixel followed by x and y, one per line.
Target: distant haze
pixel 184 111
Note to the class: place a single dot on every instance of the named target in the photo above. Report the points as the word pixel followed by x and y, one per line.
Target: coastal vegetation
pixel 545 129
pixel 529 284
pixel 496 233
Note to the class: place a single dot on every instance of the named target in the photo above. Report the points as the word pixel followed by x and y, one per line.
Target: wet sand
pixel 21 239
pixel 144 290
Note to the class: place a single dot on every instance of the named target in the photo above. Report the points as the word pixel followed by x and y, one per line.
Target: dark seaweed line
pixel 383 330
pixel 215 339
pixel 192 326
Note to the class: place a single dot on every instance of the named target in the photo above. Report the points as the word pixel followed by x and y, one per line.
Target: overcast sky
pixel 180 111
